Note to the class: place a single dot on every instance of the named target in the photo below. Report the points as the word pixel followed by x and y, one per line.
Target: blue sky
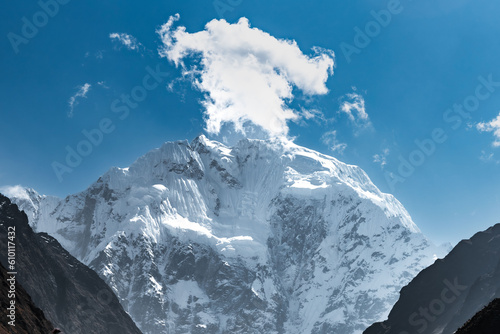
pixel 386 92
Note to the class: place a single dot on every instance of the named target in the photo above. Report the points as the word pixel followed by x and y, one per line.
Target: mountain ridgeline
pixel 71 295
pixel 486 321
pixel 262 237
pixel 445 295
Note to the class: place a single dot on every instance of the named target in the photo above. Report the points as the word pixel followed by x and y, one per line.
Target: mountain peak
pixel 265 228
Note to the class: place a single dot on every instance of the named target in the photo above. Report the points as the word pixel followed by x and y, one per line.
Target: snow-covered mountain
pixel 262 237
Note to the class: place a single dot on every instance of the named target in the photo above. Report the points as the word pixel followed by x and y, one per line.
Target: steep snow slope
pixel 263 237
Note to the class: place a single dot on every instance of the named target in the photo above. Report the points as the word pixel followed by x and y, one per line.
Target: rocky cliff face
pixel 445 295
pixel 262 237
pixel 486 321
pixel 70 294
pixel 25 318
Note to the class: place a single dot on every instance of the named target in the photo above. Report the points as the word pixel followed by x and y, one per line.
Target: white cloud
pixel 491 126
pixel 330 139
pixel 312 113
pixel 248 74
pixel 381 158
pixel 15 191
pixel 354 106
pixel 486 157
pixel 129 41
pixel 102 84
pixel 81 93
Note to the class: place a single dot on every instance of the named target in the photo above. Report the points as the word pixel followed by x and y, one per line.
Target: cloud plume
pixel 129 41
pixel 491 126
pixel 81 93
pixel 354 106
pixel 330 139
pixel 247 74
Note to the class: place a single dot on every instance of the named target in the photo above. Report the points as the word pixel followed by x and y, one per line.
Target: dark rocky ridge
pixel 29 319
pixel 71 295
pixel 486 321
pixel 442 297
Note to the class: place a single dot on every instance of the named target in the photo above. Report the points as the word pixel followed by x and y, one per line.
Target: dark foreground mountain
pixel 486 321
pixel 445 295
pixel 27 318
pixel 262 237
pixel 72 296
